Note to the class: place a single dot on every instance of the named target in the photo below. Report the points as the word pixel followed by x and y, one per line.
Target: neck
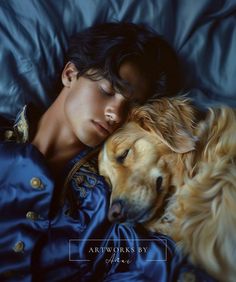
pixel 54 139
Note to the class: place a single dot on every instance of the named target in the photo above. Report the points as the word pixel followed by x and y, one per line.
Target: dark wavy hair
pixel 104 47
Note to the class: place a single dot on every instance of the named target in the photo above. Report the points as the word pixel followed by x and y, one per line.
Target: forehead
pixel 139 86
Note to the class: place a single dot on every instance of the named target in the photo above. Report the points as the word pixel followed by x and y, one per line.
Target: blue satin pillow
pixel 34 36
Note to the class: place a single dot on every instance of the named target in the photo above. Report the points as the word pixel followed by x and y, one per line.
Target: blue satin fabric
pixel 34 37
pixel 82 246
pixel 19 163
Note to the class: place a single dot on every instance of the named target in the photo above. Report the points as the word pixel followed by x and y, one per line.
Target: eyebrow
pixel 128 89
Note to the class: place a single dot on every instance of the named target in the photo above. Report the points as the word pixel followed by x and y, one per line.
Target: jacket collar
pixel 21 126
pixel 26 123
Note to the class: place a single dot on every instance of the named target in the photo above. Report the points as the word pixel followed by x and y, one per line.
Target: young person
pixel 51 192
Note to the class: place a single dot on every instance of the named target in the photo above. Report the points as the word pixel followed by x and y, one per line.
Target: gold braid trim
pixel 68 193
pixel 21 127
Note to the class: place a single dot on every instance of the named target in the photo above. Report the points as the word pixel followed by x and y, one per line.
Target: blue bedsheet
pixel 34 35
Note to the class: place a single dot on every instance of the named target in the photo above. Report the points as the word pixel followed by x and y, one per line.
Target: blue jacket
pixel 71 241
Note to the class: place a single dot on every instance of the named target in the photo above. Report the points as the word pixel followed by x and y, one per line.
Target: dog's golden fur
pixel 196 200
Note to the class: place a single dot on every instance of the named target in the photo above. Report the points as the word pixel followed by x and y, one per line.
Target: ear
pixel 171 119
pixel 69 74
pixel 178 139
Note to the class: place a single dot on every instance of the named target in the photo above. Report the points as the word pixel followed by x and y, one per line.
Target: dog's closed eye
pixel 120 159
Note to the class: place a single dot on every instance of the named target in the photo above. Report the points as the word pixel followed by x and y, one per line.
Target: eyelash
pixel 105 92
pixel 110 94
pixel 120 159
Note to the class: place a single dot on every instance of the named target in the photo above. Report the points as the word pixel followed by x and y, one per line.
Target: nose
pixel 116 110
pixel 116 211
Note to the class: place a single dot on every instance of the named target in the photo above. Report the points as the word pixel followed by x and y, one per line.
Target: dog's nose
pixel 116 211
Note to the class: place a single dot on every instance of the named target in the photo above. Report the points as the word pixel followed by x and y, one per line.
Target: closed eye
pixel 121 158
pixel 106 93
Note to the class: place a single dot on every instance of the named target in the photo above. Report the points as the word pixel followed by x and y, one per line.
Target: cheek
pixel 80 106
pixel 81 96
pixel 73 104
pixel 73 115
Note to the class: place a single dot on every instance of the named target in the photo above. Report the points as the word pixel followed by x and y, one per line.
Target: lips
pixel 102 128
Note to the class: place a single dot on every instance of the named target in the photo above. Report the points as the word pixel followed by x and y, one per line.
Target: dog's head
pixel 138 161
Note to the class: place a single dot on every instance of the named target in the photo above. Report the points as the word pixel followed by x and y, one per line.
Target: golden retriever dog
pixel 177 175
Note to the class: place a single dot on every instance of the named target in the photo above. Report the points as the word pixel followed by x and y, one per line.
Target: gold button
pixel 36 183
pixel 32 215
pixel 80 179
pixel 8 134
pixel 19 247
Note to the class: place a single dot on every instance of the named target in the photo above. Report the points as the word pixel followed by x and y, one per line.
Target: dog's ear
pixel 172 119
